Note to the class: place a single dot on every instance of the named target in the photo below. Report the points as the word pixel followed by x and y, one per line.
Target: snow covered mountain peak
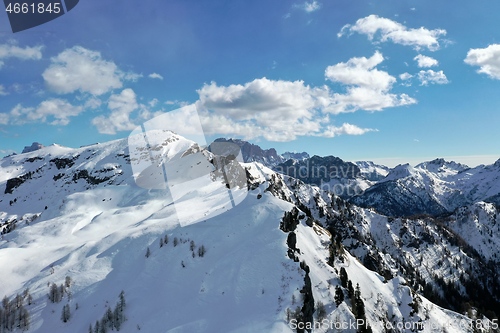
pixel 440 166
pixel 34 146
pixel 401 171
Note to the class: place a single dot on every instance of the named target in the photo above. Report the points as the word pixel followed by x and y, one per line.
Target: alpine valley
pixel 306 244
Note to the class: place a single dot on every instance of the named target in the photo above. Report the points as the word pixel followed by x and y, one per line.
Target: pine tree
pixel 24 319
pixel 103 327
pixel 55 295
pixel 66 313
pixel 339 296
pixel 350 290
pixel 320 310
pixel 165 239
pixel 121 301
pixel 109 318
pixel 201 251
pixel 117 318
pixel 18 301
pixel 67 282
pixel 192 245
pixel 176 241
pixel 343 277
pixel 148 252
pixel 161 242
pixel 61 292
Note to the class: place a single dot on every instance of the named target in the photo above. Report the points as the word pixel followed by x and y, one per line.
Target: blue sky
pixel 389 81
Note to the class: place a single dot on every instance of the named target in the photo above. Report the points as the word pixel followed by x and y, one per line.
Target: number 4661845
pixel 40 8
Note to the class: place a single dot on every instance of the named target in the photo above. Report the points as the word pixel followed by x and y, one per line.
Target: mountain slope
pixel 255 266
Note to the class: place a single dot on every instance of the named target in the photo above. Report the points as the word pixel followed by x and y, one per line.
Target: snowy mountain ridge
pixel 435 187
pixel 282 255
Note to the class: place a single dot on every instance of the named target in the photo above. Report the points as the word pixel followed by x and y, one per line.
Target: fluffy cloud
pixel 361 72
pixel 14 51
pixel 432 77
pixel 155 76
pixel 309 7
pixel 405 76
pixel 425 61
pixel 121 106
pixel 388 30
pixel 275 110
pixel 84 70
pixel 346 129
pixel 488 60
pixel 2 91
pixel 367 87
pixel 280 110
pixel 52 111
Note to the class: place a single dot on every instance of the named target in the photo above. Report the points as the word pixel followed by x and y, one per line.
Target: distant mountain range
pixel 435 188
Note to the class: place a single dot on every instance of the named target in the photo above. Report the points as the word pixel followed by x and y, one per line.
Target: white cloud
pixel 488 60
pixel 53 111
pixel 432 77
pixel 388 30
pixel 346 129
pixel 155 76
pixel 275 110
pixel 425 61
pixel 367 87
pixel 405 76
pixel 312 6
pixel 279 110
pixel 121 106
pixel 153 102
pixel 2 91
pixel 81 69
pixel 361 72
pixel 308 7
pixel 93 103
pixel 14 51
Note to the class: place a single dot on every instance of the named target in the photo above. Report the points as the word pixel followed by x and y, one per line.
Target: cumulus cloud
pixel 346 129
pixel 53 111
pixel 488 60
pixel 367 87
pixel 405 76
pixel 155 76
pixel 309 7
pixel 431 77
pixel 2 91
pixel 14 51
pixel 279 110
pixel 80 69
pixel 425 61
pixel 276 110
pixel 121 106
pixel 383 29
